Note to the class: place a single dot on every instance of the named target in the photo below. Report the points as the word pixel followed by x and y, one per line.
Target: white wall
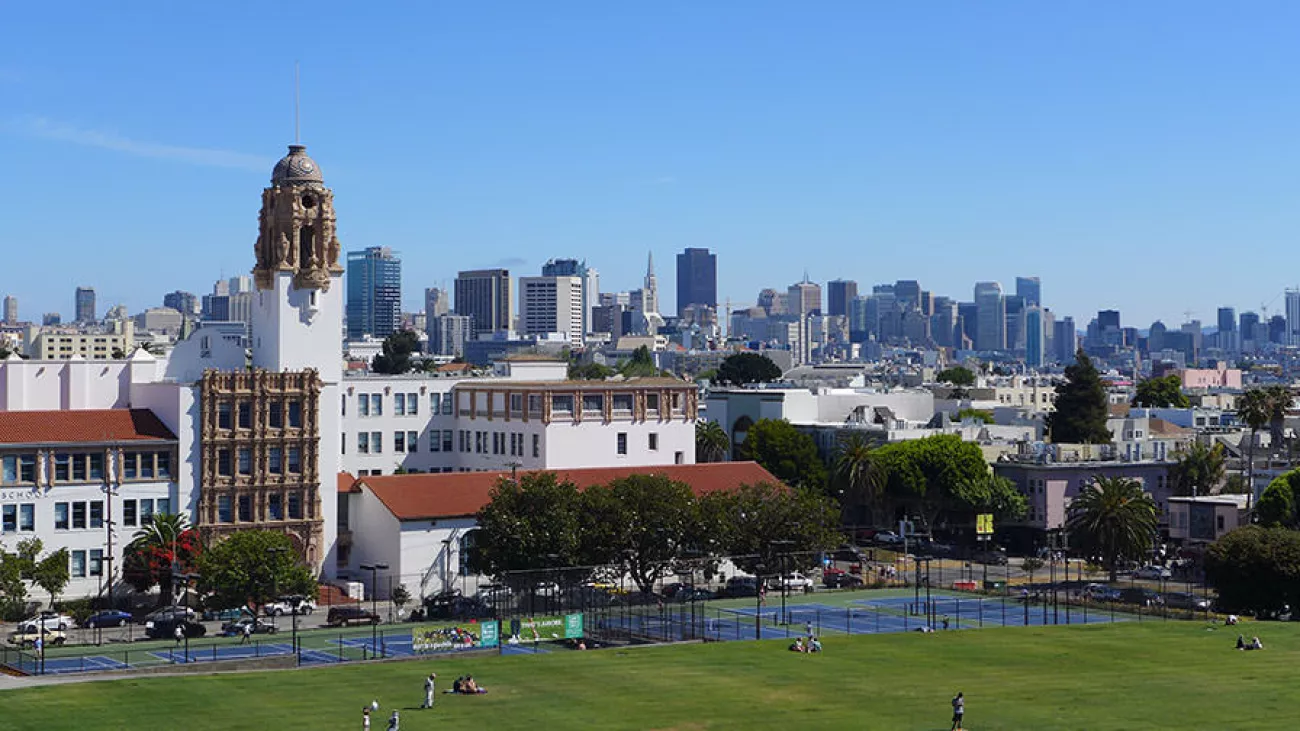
pixel 426 561
pixel 595 444
pixel 376 538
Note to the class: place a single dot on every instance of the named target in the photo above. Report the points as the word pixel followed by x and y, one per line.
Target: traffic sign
pixel 984 524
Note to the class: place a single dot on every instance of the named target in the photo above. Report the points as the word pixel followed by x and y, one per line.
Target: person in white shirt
pixel 428 690
pixel 365 719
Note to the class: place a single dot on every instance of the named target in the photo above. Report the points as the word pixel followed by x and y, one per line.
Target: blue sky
pixel 1139 156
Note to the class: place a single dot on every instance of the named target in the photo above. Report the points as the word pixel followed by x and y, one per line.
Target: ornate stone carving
pixel 296 226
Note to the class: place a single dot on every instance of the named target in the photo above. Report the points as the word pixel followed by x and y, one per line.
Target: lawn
pixel 1121 676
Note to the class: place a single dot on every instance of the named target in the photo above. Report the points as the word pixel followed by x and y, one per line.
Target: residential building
pixel 95 343
pixel 374 296
pixel 552 305
pixel 1206 519
pixel 697 278
pixel 485 296
pixel 84 305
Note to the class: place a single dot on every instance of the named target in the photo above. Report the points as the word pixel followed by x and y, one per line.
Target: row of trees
pixel 49 572
pixel 646 525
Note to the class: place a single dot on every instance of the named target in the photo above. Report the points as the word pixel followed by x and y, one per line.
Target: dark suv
pixel 341 616
pixel 164 628
pixel 741 586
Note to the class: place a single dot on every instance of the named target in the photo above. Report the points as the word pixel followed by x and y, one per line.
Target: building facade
pixel 697 278
pixel 552 305
pixel 84 304
pixel 485 296
pixel 374 281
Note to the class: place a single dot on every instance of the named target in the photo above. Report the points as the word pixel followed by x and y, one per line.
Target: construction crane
pixel 1263 307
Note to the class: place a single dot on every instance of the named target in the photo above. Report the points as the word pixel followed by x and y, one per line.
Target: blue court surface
pixel 91 663
pixel 968 612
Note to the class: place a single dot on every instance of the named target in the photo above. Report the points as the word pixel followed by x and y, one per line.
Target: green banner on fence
pixel 542 629
pixel 445 637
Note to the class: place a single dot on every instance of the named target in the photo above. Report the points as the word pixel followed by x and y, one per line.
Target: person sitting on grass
pixel 1255 644
pixel 814 644
pixel 1241 642
pixel 1232 620
pixel 797 645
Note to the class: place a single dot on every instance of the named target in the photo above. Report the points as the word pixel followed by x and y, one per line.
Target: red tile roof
pixel 460 494
pixel 81 427
pixel 346 481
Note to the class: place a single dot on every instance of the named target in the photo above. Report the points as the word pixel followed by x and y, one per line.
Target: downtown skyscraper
pixel 374 293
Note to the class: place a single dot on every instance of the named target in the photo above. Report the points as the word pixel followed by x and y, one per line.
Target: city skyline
pixel 1121 147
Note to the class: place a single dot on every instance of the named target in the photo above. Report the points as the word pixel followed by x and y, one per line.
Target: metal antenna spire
pixel 296 105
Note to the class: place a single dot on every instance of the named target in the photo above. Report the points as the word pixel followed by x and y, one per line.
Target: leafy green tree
pixel 709 374
pixel 253 567
pixel 644 523
pixel 400 596
pixel 1235 484
pixel 957 376
pixel 932 478
pixel 1114 520
pixel 742 368
pixel 711 442
pixel 856 472
pixel 990 493
pixel 5 352
pixel 589 372
pixel 13 591
pixel 395 357
pixel 764 517
pixel 157 550
pixel 1277 504
pixel 1198 471
pixel 789 454
pixel 1166 391
pixel 1080 415
pixel 983 415
pixel 52 574
pixel 1255 569
pixel 532 522
pixel 641 364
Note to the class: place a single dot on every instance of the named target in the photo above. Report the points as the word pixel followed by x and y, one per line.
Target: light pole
pixel 446 563
pixel 758 601
pixel 374 569
pixel 275 552
pixel 182 581
pixel 782 557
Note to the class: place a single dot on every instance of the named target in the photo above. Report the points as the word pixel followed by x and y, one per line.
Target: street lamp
pixel 374 569
pixel 293 605
pixel 182 582
pixel 782 557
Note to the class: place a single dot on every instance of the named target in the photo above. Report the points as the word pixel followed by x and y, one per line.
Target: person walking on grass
pixel 428 690
pixel 248 633
pixel 179 634
pixel 365 719
pixel 958 710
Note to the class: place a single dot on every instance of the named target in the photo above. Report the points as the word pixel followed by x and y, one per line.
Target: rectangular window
pixel 593 403
pixel 652 401
pixel 295 460
pixel 275 415
pixel 654 442
pixel 622 442
pixel 295 415
pixel 78 468
pixel 534 403
pixel 435 441
pixel 561 404
pixel 275 460
pixel 433 405
pixel 27 517
pixel 537 446
pixel 363 405
pixel 479 447
pixel 623 402
pixel 344 409
pixel 399 441
pixel 245 509
pixel 77 564
pixel 164 506
pixel 376 404
pixel 96 562
pixel 96 466
pixel 62 467
pixel 146 512
pixel 446 404
pixel 446 440
pixel 9 519
pixel 96 513
pixel 223 462
pixel 128 513
pixel 363 442
pixel 516 403
pixel 60 516
pixel 412 404
pixel 78 516
pixel 8 470
pixel 146 466
pixel 295 505
pixel 377 442
pixel 413 441
pixel 245 415
pixel 275 507
pixel 399 404
pixel 223 415
pixel 223 509
pixel 245 461
pixel 164 465
pixel 679 458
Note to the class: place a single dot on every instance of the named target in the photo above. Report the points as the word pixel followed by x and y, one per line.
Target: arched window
pixel 467 553
pixel 306 244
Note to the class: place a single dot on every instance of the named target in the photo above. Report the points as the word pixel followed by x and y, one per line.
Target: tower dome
pixel 296 168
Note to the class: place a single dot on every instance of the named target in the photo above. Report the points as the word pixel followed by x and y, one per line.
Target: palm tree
pixel 162 530
pixel 1199 470
pixel 711 442
pixel 156 551
pixel 1257 408
pixel 856 470
pixel 1114 519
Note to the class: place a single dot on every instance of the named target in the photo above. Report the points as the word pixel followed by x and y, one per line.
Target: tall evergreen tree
pixel 1080 415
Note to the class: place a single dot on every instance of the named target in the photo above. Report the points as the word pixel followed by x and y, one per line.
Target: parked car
pixel 1141 596
pixel 738 586
pixel 285 605
pixel 25 635
pixel 53 620
pixel 851 554
pixel 791 582
pixel 344 614
pixel 164 628
pixel 1154 573
pixel 171 613
pixel 888 538
pixel 226 615
pixel 236 628
pixel 108 618
pixel 493 593
pixel 693 594
pixel 836 579
pixel 1101 593
pixel 1186 600
pixel 454 606
pixel 992 557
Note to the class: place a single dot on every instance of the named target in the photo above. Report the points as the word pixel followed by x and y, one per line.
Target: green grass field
pixel 1152 675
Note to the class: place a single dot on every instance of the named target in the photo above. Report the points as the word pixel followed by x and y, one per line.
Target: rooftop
pixel 577 385
pixel 462 494
pixel 96 426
